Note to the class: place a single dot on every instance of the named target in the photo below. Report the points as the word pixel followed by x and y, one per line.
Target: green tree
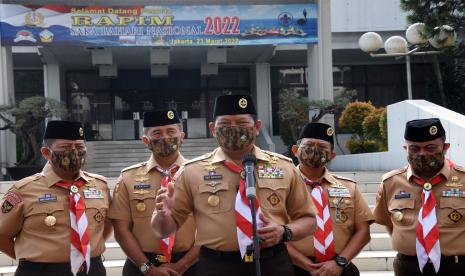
pixel 367 125
pixel 294 111
pixel 26 119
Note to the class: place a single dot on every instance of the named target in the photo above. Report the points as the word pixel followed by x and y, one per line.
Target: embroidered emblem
pixel 455 216
pixel 273 199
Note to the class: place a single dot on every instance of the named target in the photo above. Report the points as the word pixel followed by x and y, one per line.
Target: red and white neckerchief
pixel 80 238
pixel 427 240
pixel 244 225
pixel 323 238
pixel 167 244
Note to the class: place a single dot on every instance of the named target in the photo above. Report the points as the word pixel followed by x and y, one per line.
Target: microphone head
pixel 249 158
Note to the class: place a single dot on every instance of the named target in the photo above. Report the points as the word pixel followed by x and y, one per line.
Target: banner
pixel 177 25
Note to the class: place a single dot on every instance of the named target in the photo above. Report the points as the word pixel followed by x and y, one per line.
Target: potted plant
pixel 27 120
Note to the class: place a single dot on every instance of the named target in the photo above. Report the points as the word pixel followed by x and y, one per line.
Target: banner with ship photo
pixel 176 25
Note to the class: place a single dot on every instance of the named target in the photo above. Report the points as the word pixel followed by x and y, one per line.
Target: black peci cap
pixel 318 131
pixel 161 118
pixel 69 130
pixel 233 105
pixel 423 130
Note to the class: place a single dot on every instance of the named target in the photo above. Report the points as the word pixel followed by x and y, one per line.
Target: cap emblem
pixel 242 103
pixel 330 131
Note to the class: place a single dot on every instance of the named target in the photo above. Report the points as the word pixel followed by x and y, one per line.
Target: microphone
pixel 249 161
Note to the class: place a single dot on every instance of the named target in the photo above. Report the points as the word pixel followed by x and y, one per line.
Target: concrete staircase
pixel 375 260
pixel 108 158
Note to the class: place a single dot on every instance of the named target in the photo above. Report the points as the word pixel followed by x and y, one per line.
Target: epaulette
pixel 344 178
pixel 390 174
pixel 280 156
pixel 20 183
pixel 199 158
pixel 134 166
pixel 98 176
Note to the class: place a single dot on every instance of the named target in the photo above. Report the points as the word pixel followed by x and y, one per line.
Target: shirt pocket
pixel 342 210
pixel 142 205
pixel 451 211
pixel 403 211
pixel 35 219
pixel 96 211
pixel 215 199
pixel 272 194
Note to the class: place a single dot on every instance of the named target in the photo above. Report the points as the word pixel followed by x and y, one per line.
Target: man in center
pixel 211 187
pixel 134 202
pixel 343 215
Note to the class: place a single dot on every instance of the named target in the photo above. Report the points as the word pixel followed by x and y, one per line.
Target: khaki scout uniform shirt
pixel 130 191
pixel 344 197
pixel 398 194
pixel 281 193
pixel 37 242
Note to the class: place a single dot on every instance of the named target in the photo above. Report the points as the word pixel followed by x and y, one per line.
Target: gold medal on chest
pixel 50 220
pixel 213 200
pixel 397 215
pixel 141 207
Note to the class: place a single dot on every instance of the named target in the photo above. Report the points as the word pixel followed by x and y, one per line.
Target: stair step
pixel 375 260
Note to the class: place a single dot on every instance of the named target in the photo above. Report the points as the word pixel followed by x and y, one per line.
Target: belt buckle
pixel 248 258
pixel 160 258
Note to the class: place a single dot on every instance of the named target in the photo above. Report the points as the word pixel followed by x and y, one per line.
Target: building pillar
pixel 319 57
pixel 320 61
pixel 262 95
pixel 7 97
pixel 52 81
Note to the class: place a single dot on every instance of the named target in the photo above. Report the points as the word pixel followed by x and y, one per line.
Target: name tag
pixel 93 193
pixel 211 177
pixel 334 192
pixel 47 198
pixel 143 186
pixel 402 194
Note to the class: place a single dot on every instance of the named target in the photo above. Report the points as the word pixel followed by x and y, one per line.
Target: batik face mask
pixel 164 146
pixel 313 156
pixel 71 160
pixel 235 138
pixel 426 164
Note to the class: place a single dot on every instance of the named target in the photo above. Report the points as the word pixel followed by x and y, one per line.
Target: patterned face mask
pixel 164 146
pixel 426 164
pixel 313 156
pixel 71 160
pixel 235 138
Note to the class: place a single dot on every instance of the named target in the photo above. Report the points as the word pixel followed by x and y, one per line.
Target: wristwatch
pixel 341 261
pixel 144 268
pixel 287 235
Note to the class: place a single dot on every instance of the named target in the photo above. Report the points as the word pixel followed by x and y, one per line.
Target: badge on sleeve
pixel 11 199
